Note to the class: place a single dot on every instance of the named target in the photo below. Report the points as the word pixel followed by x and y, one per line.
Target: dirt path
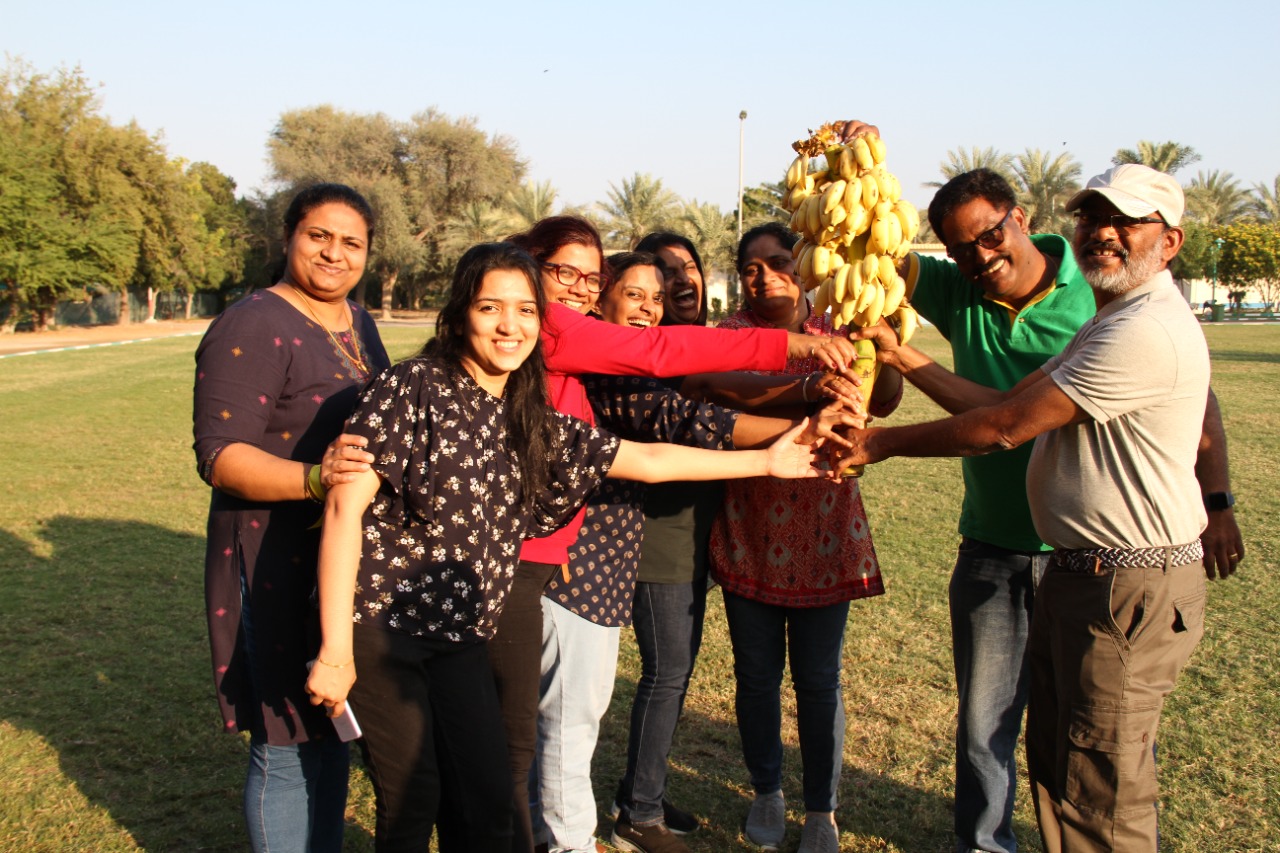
pixel 86 336
pixel 74 337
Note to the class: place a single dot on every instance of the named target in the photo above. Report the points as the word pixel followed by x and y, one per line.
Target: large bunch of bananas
pixel 854 228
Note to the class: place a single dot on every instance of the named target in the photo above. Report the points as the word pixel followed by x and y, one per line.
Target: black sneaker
pixel 677 820
pixel 656 838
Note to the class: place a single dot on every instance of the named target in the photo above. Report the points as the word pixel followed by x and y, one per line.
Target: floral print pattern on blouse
pixel 442 536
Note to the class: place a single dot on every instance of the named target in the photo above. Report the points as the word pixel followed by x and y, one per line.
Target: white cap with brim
pixel 1136 190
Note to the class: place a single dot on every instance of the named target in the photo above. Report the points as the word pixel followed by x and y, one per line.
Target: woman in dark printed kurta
pixel 273 386
pixel 417 554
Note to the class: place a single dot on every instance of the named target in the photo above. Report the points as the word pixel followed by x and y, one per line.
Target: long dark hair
pixel 528 413
pixel 553 233
pixel 665 240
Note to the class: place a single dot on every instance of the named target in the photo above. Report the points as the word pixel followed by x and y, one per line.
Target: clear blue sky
pixel 593 92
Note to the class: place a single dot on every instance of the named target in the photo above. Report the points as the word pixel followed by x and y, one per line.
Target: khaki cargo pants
pixel 1105 650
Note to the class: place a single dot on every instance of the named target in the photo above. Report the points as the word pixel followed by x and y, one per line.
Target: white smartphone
pixel 346 726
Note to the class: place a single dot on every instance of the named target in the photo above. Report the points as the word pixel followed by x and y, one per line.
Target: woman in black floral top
pixel 417 555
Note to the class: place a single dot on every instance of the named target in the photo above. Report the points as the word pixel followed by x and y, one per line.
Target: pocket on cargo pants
pixel 1111 767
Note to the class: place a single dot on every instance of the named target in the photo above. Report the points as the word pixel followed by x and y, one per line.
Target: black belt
pixel 1093 560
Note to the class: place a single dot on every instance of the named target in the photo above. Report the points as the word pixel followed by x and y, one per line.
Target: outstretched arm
pixel 660 463
pixel 1223 544
pixel 953 393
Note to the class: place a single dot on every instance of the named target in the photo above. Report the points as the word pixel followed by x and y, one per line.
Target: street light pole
pixel 1217 247
pixel 742 127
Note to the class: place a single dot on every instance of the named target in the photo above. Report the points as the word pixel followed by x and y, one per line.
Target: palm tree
pixel 1265 203
pixel 1165 156
pixel 1216 198
pixel 641 205
pixel 530 202
pixel 1045 183
pixel 477 222
pixel 713 231
pixel 960 161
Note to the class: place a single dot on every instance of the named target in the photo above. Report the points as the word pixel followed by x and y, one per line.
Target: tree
pixel 1195 259
pixel 960 161
pixel 1250 258
pixel 1216 198
pixel 1163 156
pixel 1045 184
pixel 639 206
pixel 419 176
pixel 528 203
pixel 88 205
pixel 1265 202
pixel 763 203
pixel 713 231
pixel 477 222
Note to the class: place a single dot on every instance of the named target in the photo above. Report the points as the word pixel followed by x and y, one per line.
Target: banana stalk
pixel 867 368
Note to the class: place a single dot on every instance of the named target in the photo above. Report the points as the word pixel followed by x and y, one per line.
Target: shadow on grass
pixel 107 660
pixel 1245 357
pixel 708 777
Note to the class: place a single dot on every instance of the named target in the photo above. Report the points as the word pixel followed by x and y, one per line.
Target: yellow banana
pixel 908 219
pixel 870 266
pixel 878 236
pixel 866 296
pixel 884 182
pixel 846 315
pixel 813 215
pixel 876 146
pixel 853 287
pixel 894 237
pixel 852 196
pixel 887 272
pixel 822 299
pixel 908 322
pixel 793 172
pixel 804 263
pixel 858 221
pixel 883 208
pixel 893 295
pixel 821 262
pixel 840 282
pixel 873 312
pixel 831 198
pixel 870 191
pixel 847 167
pixel 862 153
pixel 855 251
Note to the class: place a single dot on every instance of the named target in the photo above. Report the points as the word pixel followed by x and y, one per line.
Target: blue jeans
pixel 295 795
pixel 991 595
pixel 668 625
pixel 762 635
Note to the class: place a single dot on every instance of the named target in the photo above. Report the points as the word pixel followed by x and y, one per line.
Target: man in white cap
pixel 1117 420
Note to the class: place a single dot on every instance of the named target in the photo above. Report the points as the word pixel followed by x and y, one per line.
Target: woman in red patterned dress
pixel 790 557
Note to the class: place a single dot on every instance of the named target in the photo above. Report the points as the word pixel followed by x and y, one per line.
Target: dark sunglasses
pixel 989 239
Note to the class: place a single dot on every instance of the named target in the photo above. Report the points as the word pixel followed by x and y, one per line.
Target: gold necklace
pixel 354 353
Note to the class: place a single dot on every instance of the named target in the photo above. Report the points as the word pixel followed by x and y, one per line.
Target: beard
pixel 1135 269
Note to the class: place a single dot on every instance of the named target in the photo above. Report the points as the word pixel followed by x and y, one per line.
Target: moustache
pixel 1108 246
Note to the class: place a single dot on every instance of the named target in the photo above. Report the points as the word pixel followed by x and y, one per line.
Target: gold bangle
pixel 335 665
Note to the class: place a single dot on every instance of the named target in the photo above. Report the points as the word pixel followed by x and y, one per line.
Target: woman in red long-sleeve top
pixel 572 258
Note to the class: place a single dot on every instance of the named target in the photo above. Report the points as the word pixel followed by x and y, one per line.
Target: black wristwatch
pixel 1216 501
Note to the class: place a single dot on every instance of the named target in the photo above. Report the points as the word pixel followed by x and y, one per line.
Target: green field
pixel 109 733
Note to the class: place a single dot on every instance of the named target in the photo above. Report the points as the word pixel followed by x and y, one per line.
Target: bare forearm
pixel 1211 456
pixel 253 474
pixel 744 390
pixel 953 393
pixel 660 463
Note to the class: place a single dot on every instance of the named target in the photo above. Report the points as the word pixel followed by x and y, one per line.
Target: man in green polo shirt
pixel 1007 302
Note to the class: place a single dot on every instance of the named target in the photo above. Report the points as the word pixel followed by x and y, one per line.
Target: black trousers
pixel 516 653
pixel 433 742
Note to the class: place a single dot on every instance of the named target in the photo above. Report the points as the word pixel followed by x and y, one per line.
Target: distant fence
pixel 104 309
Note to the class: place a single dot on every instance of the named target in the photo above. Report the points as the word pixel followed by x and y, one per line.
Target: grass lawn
pixel 109 733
